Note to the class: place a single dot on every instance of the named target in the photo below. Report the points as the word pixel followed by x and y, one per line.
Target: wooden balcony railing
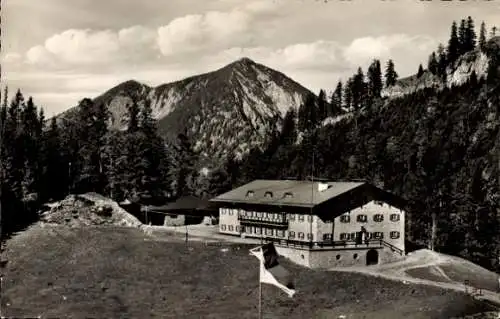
pixel 372 243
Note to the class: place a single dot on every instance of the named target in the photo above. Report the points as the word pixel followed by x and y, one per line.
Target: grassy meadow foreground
pixel 117 272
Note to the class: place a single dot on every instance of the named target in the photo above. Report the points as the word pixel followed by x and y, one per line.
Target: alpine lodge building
pixel 317 224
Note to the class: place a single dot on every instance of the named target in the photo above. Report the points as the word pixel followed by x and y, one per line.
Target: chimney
pixel 322 187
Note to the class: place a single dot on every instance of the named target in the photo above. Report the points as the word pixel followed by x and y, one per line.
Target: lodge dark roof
pixel 186 203
pixel 305 197
pixel 286 192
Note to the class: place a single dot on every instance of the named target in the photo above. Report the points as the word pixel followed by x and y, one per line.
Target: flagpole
pixel 260 297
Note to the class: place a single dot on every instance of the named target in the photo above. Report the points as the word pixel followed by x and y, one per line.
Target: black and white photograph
pixel 260 159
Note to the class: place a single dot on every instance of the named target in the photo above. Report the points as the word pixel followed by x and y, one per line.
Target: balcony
pixel 343 244
pixel 279 223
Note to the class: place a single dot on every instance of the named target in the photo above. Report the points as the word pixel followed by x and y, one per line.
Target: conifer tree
pixel 91 129
pixel 54 177
pixel 30 127
pixel 420 71
pixel 336 101
pixel 183 170
pixel 453 45
pixel 288 134
pixel 391 75
pixel 433 65
pixel 375 79
pixel 14 146
pixel 338 93
pixel 348 94
pixel 310 112
pixel 152 155
pixel 358 89
pixel 470 35
pixel 482 37
pixel 462 37
pixel 322 105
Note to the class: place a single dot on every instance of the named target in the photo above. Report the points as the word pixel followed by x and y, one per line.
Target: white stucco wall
pixel 386 226
pixel 306 224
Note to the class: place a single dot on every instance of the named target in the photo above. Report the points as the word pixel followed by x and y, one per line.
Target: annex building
pixel 317 224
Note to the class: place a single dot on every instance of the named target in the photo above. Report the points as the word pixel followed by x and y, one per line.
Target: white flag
pixel 270 269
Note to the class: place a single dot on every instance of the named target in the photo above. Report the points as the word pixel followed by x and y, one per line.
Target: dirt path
pixel 393 272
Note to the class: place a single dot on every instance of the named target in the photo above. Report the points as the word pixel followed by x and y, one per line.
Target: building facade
pixel 347 223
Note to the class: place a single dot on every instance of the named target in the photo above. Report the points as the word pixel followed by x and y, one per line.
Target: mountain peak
pixel 242 62
pixel 245 60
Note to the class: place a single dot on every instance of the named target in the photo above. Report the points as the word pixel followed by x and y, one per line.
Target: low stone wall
pixel 326 259
pixel 339 258
pixel 298 256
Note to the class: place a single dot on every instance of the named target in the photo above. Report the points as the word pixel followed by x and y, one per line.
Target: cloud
pixel 209 32
pixel 407 51
pixel 323 55
pixel 94 48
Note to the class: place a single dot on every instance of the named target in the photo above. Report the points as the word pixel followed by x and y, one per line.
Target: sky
pixel 61 51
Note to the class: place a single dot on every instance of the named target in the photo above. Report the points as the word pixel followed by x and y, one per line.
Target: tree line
pixel 45 160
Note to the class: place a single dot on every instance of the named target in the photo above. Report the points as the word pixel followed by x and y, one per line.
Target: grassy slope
pixel 115 273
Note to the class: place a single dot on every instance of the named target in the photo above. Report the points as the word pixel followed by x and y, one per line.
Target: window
pixel 309 236
pixel 250 193
pixel 258 230
pixel 248 230
pixel 231 228
pixel 291 216
pixel 380 203
pixel 355 256
pixel 361 218
pixel 269 231
pixel 267 215
pixel 231 211
pixel 223 227
pixel 353 236
pixel 222 211
pixel 378 218
pixel 378 235
pixel 238 228
pixel 280 233
pixel 288 195
pixel 344 236
pixel 345 219
pixel 394 217
pixel 291 234
pixel 394 234
pixel 301 235
pixel 301 218
pixel 327 237
pixel 258 214
pixel 309 218
pixel 268 194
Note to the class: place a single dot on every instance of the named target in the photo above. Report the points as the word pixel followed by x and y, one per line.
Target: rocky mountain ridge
pixel 224 112
pixel 456 74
